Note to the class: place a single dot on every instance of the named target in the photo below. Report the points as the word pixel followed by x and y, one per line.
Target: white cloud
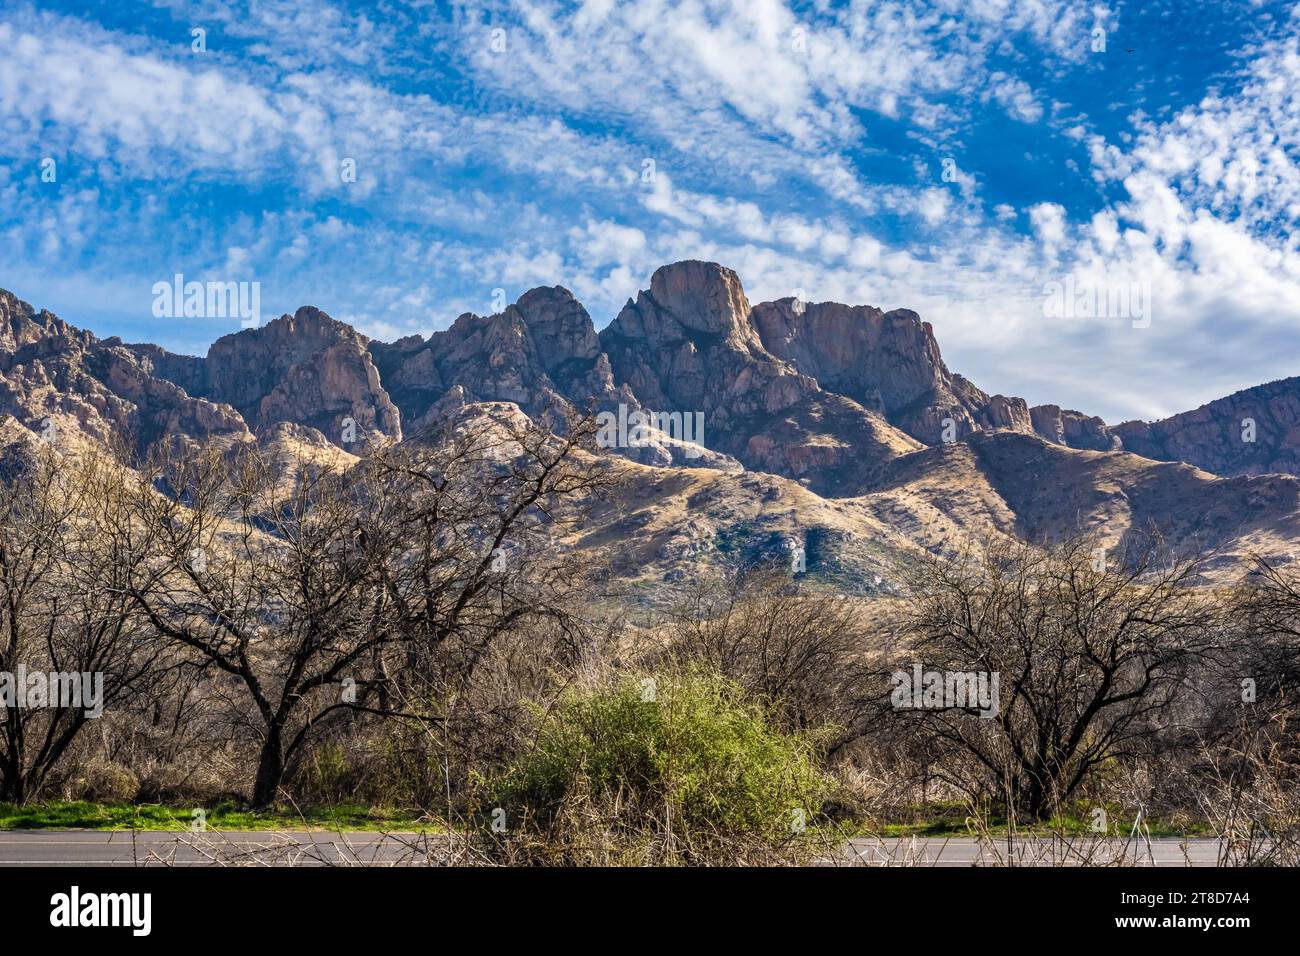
pixel 1015 96
pixel 1048 220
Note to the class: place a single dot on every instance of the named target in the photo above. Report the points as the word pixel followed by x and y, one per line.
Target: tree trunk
pixel 13 789
pixel 13 782
pixel 1035 798
pixel 270 769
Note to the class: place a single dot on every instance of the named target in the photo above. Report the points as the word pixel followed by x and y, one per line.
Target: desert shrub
pixel 802 651
pixel 193 783
pixel 107 781
pixel 680 767
pixel 1248 786
pixel 326 775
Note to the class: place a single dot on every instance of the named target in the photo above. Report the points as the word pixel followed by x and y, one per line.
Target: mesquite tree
pixel 320 592
pixel 66 620
pixel 1091 649
pixel 266 576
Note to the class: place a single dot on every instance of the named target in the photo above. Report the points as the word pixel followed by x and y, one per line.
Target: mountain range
pixel 834 429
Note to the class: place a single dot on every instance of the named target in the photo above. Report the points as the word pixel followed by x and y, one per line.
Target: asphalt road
pixel 318 848
pixel 245 848
pixel 1079 851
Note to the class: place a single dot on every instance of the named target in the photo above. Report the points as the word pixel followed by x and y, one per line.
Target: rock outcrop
pixel 823 393
pixel 890 362
pixel 1252 432
pixel 1075 429
pixel 541 353
pixel 55 377
pixel 688 345
pixel 305 368
pixel 887 361
pixel 825 427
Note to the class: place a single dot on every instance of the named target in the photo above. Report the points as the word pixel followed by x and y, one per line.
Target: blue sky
pixel 513 144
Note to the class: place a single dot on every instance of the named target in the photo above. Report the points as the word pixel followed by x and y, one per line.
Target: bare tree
pixel 804 651
pixel 484 502
pixel 487 505
pixel 1090 650
pixel 268 577
pixel 65 616
pixel 1268 615
pixel 321 595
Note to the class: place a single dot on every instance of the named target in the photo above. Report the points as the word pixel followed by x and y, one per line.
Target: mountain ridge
pixel 889 450
pixel 804 381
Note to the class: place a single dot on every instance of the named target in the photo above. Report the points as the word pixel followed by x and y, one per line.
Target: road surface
pixel 321 848
pixel 244 848
pixel 1044 851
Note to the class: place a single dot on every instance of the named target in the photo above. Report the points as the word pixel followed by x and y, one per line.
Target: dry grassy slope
pixel 292 447
pixel 664 525
pixel 656 528
pixel 1019 484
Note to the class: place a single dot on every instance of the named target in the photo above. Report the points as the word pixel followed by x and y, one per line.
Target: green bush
pixel 681 767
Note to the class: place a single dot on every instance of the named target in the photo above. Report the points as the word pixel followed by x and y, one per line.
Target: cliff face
pixel 839 428
pixel 541 353
pixel 823 393
pixel 304 368
pixel 685 346
pixel 55 378
pixel 689 344
pixel 1251 432
pixel 887 361
pixel 890 362
pixel 1075 429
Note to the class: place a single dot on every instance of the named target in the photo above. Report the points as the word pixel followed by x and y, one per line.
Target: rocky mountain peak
pixel 292 337
pixel 688 345
pixel 819 391
pixel 703 297
pixel 1252 432
pixel 56 378
pixel 887 361
pixel 560 327
pixel 21 325
pixel 540 353
pixel 306 368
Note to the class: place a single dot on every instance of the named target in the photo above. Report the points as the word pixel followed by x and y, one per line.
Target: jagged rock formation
pixel 1251 432
pixel 1075 429
pixel 688 344
pixel 887 361
pixel 541 353
pixel 306 368
pixel 824 425
pixel 823 393
pixel 54 377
